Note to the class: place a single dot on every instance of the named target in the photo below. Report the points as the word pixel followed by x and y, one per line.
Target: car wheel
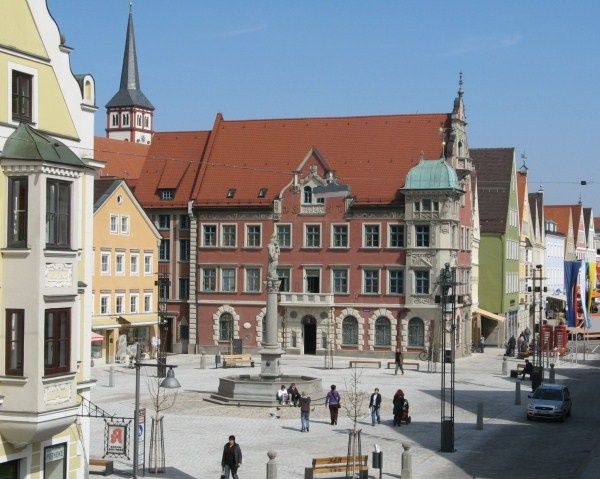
pixel 529 418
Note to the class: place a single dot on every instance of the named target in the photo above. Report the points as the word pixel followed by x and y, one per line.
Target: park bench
pixel 364 361
pixel 404 364
pixel 232 360
pixel 106 464
pixel 337 466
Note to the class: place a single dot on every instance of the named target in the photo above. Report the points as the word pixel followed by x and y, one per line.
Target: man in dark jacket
pixel 374 405
pixel 232 459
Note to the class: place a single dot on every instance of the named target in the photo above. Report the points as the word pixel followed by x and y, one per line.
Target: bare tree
pixel 162 400
pixel 353 403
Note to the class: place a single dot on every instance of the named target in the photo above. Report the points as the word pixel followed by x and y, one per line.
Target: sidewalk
pixel 196 430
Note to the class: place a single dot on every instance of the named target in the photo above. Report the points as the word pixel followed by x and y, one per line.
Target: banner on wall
pixel 571 275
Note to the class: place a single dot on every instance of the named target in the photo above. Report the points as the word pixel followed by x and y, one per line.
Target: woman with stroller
pixel 399 403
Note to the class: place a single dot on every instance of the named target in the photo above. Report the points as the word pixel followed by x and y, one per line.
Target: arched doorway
pixel 309 333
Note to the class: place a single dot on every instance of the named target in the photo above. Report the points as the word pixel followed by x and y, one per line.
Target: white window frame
pixel 291 226
pixel 120 296
pixel 107 297
pixel 332 236
pixel 122 256
pixel 114 116
pixel 290 275
pixel 220 279
pixel 158 225
pixel 202 231
pixel 305 276
pixel 151 256
pixel 389 279
pixel 340 268
pixel 429 243
pixel 222 239
pixel 201 278
pixel 246 226
pixel 125 117
pixel 113 230
pixel 246 268
pixel 389 235
pixel 105 254
pixel 305 236
pixel 136 297
pixel 136 262
pixel 364 280
pixel 364 236
pixel 34 92
pixel 147 295
pixel 127 230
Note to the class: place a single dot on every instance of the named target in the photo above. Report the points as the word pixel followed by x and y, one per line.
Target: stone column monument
pixel 271 353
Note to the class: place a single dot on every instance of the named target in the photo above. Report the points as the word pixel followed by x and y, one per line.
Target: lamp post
pixel 170 382
pixel 448 285
pixel 163 284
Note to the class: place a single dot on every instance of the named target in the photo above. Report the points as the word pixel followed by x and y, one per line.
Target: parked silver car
pixel 551 401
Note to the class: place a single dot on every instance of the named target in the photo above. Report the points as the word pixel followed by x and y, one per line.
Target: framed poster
pixel 116 439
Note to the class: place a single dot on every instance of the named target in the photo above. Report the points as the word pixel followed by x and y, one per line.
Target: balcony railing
pixel 306 299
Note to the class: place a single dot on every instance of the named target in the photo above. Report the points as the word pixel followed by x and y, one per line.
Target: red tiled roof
pixel 561 215
pixel 372 154
pixel 597 223
pixel 124 159
pixel 172 163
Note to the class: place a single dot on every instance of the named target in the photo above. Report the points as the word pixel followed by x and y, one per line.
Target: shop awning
pixel 487 314
pixel 557 297
pixel 97 338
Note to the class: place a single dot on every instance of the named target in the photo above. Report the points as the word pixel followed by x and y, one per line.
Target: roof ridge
pixel 389 115
pixel 205 156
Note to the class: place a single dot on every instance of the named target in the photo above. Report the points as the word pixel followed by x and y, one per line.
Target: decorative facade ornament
pixel 58 275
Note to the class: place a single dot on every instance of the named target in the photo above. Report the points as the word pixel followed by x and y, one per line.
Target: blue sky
pixel 531 69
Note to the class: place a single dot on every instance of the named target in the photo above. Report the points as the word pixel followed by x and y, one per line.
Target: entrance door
pixel 313 277
pixel 309 328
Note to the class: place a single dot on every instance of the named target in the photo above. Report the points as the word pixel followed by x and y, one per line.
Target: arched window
pixel 226 327
pixel 383 331
pixel 416 332
pixel 307 197
pixel 350 330
pixel 87 89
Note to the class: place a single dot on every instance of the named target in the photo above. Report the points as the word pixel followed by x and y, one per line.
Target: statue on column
pixel 273 257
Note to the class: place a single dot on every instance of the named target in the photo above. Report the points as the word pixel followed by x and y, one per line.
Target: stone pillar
pixel 271 352
pixel 272 465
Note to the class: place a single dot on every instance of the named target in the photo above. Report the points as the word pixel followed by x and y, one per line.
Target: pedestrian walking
pixel 374 405
pixel 333 401
pixel 305 411
pixel 232 459
pixel 399 360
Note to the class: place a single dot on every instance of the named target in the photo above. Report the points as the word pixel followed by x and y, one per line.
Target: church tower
pixel 129 113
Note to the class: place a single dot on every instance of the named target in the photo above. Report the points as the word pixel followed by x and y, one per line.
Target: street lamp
pixel 448 286
pixel 170 382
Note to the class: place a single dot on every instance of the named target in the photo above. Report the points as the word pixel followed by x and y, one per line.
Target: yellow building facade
pixel 46 200
pixel 125 274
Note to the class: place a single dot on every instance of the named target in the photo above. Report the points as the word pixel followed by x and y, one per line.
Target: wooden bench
pixel 107 464
pixel 338 465
pixel 404 364
pixel 364 361
pixel 232 360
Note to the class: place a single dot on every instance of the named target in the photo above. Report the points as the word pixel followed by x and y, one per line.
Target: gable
pixel 18 29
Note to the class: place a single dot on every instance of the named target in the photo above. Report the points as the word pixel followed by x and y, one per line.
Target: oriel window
pixel 58 214
pixel 17 221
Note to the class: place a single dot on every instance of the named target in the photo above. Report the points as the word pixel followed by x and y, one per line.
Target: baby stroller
pixel 405 417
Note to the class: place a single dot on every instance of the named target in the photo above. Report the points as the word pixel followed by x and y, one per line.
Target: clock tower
pixel 129 114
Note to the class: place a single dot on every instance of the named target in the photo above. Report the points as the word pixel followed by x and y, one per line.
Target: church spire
pixel 129 111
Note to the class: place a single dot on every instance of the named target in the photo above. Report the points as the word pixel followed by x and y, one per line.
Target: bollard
pixel 479 415
pixel 552 373
pixel 406 472
pixel 111 377
pixel 518 392
pixel 272 465
pixel 217 359
pixel 202 361
pixel 504 366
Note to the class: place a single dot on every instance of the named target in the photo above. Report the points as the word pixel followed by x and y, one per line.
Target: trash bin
pixel 377 460
pixel 537 376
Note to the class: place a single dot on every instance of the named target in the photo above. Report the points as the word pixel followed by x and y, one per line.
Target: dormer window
pixel 262 192
pixel 308 198
pixel 231 192
pixel 167 194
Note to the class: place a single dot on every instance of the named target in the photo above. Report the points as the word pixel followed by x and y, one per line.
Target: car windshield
pixel 548 394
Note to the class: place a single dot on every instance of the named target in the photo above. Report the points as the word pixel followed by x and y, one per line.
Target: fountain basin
pixel 247 390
